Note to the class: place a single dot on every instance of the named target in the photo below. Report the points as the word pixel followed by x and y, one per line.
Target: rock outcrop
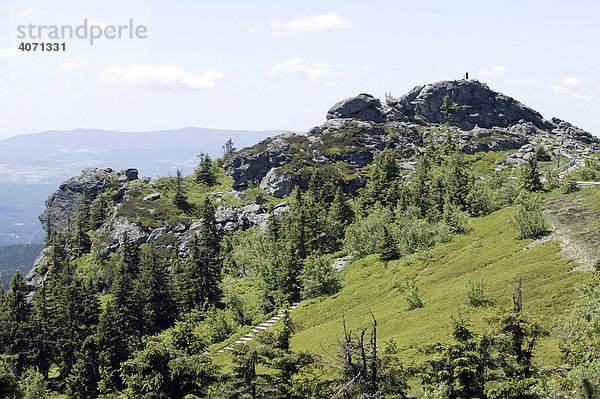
pixel 464 104
pixel 61 205
pixel 251 164
pixel 475 117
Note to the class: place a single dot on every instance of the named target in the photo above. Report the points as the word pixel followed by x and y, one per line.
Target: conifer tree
pixel 530 176
pixel 461 364
pixel 155 293
pixel 228 149
pixel 205 173
pixel 386 246
pixel 244 370
pixel 200 280
pixel 127 304
pixel 340 210
pixel 179 197
pixel 81 241
pixel 113 349
pixel 15 323
pixel 85 376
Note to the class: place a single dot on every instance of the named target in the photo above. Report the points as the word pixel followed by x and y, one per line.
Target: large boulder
pixel 364 107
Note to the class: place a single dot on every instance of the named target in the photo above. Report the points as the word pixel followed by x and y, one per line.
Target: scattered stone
pixel 152 197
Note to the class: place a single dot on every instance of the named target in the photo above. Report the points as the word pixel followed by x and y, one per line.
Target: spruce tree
pixel 159 309
pixel 113 349
pixel 386 246
pixel 179 197
pixel 205 173
pixel 228 149
pixel 530 176
pixel 340 210
pixel 85 375
pixel 15 324
pixel 199 284
pixel 127 303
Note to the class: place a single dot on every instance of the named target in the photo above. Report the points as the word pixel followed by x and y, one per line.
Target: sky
pixel 258 65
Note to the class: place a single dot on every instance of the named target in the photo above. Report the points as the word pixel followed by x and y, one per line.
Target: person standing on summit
pixel 466 75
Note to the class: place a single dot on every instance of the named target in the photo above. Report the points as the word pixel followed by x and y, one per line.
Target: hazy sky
pixel 282 64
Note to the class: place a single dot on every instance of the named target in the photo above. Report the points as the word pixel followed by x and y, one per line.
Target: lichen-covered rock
pixel 116 226
pixel 34 278
pixel 157 233
pixel 278 183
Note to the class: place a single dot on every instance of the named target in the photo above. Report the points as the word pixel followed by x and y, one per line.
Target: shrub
pixel 410 291
pixel 529 219
pixel 475 294
pixel 256 195
pixel 541 155
pixel 568 186
pixel 219 325
pixel 318 277
pixel 364 234
pixel 34 385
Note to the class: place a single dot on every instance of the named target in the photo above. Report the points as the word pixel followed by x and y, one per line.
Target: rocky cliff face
pixel 474 116
pixel 61 205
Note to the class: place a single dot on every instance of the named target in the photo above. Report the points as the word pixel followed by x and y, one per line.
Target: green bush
pixel 475 294
pixel 568 186
pixel 220 324
pixel 410 291
pixel 318 277
pixel 529 219
pixel 364 234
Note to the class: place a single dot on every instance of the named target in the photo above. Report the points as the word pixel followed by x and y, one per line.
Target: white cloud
pixel 571 82
pixel 312 23
pixel 25 13
pixel 166 77
pixel 314 71
pixel 78 94
pixel 8 53
pixel 498 69
pixel 367 68
pixel 571 87
pixel 251 27
pixel 557 88
pixel 76 65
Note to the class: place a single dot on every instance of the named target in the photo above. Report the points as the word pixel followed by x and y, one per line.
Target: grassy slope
pixel 490 252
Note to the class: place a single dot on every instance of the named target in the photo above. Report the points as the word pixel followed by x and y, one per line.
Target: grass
pixel 490 252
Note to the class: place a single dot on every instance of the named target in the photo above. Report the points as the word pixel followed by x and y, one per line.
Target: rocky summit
pixel 465 104
pixel 472 115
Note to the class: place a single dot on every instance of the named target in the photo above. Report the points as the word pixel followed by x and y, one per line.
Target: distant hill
pixel 34 164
